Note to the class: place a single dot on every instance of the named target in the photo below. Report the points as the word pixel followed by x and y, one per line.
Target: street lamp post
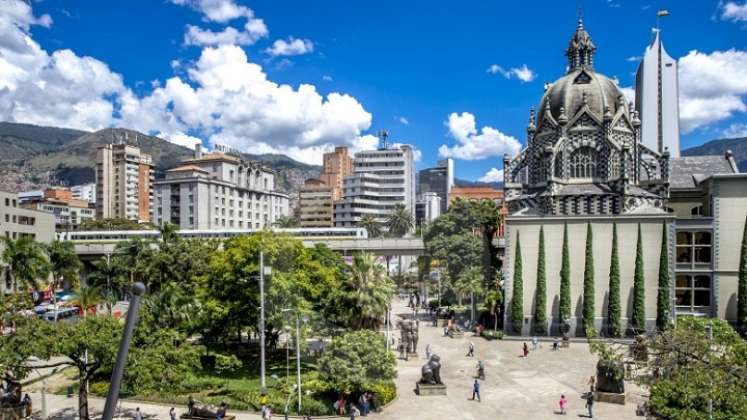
pixel 138 289
pixel 298 353
pixel 262 382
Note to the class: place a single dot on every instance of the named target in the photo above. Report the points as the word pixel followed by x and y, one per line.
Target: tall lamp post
pixel 262 271
pixel 298 353
pixel 138 289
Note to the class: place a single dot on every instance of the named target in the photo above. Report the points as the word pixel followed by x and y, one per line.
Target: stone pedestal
pixel 566 343
pixel 456 334
pixel 412 355
pixel 425 390
pixel 609 397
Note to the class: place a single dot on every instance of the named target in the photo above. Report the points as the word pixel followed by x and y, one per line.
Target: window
pixel 583 163
pixel 693 249
pixel 614 165
pixel 693 292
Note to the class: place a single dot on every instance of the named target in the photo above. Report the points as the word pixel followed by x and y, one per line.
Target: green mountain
pixel 738 147
pixel 35 157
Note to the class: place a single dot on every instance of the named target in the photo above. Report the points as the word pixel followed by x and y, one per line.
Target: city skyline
pixel 449 81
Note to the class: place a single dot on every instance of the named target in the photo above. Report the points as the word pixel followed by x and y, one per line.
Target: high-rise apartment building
pixel 124 183
pixel 84 192
pixel 439 180
pixel 219 190
pixel 68 212
pixel 657 99
pixel 381 179
pixel 315 204
pixel 427 208
pixel 337 165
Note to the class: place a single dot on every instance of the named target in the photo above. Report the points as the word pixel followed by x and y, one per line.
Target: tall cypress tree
pixel 517 302
pixel 742 288
pixel 565 279
pixel 639 296
pixel 613 305
pixel 588 311
pixel 663 300
pixel 540 298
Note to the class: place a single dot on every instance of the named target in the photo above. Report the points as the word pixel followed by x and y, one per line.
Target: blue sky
pixel 403 66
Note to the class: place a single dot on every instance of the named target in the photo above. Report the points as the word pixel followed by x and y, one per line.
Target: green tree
pixel 663 300
pixel 742 288
pixel 540 297
pixel 356 361
pixel 286 222
pixel 170 308
pixel 470 283
pixel 85 298
pixel 109 277
pixel 160 359
pixel 367 293
pixel 613 304
pixel 639 297
pixel 135 257
pixel 114 224
pixel 26 262
pixel 493 300
pixel 588 310
pixel 565 279
pixel 400 221
pixel 489 220
pixel 63 261
pixel 517 299
pixel 371 225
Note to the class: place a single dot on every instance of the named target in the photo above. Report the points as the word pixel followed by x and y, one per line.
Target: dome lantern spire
pixel 581 49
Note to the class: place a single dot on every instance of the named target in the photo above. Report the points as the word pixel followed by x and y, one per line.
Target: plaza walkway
pixel 515 387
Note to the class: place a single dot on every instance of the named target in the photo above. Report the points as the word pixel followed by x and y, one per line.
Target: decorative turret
pixel 607 114
pixel 581 49
pixel 562 117
pixel 531 128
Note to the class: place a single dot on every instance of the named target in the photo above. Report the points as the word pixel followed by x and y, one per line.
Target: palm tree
pixel 493 301
pixel 368 292
pixel 86 298
pixel 470 283
pixel 106 274
pixel 171 307
pixel 26 262
pixel 169 233
pixel 400 221
pixel 134 255
pixel 372 225
pixel 64 263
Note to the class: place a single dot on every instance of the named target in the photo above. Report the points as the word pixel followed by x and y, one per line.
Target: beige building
pixel 17 222
pixel 337 165
pixel 315 204
pixel 124 183
pixel 68 212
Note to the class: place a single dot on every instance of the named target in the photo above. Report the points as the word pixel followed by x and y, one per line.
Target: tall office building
pixel 124 183
pixel 315 204
pixel 657 99
pixel 381 179
pixel 84 192
pixel 219 190
pixel 337 165
pixel 439 180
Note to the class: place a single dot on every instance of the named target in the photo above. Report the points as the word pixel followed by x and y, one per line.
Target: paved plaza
pixel 515 387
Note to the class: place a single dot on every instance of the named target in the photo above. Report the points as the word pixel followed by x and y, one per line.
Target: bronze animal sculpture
pixel 431 371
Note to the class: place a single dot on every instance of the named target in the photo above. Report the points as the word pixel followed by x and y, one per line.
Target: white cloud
pixel 712 87
pixel 222 96
pixel 403 120
pixel 523 73
pixel 628 92
pixel 493 175
pixel 181 139
pixel 220 11
pixel 327 78
pixel 293 46
pixel 736 130
pixel 474 145
pixel 634 58
pixel 254 29
pixel 734 12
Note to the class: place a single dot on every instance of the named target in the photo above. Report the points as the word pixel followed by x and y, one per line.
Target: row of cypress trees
pixel 614 310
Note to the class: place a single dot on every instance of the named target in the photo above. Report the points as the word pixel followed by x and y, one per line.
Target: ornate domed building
pixel 584 155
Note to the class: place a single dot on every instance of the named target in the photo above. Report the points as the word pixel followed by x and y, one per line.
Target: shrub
pixel 355 360
pixel 386 392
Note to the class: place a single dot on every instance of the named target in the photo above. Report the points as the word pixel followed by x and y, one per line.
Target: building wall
pixel 528 230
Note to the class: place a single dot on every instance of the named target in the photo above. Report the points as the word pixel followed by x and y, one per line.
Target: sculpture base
pixel 412 354
pixel 456 334
pixel 609 397
pixel 16 412
pixel 425 390
pixel 566 343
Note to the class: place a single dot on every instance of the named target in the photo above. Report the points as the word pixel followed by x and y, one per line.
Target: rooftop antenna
pixel 383 136
pixel 660 14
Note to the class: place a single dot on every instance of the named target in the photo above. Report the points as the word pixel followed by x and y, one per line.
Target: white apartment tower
pixel 657 99
pixel 124 183
pixel 218 190
pixel 381 179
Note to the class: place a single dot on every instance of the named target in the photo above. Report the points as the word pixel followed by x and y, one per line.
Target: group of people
pixel 365 402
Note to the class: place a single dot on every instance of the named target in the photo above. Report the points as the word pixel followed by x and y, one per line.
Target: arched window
pixel 583 163
pixel 614 164
pixel 559 165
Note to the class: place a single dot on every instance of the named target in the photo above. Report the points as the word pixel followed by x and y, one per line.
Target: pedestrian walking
pixel 534 343
pixel 471 350
pixel 172 414
pixel 428 352
pixel 592 383
pixel 590 404
pixel 476 390
pixel 138 414
pixel 363 401
pixel 563 403
pixel 526 350
pixel 555 343
pixel 27 404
